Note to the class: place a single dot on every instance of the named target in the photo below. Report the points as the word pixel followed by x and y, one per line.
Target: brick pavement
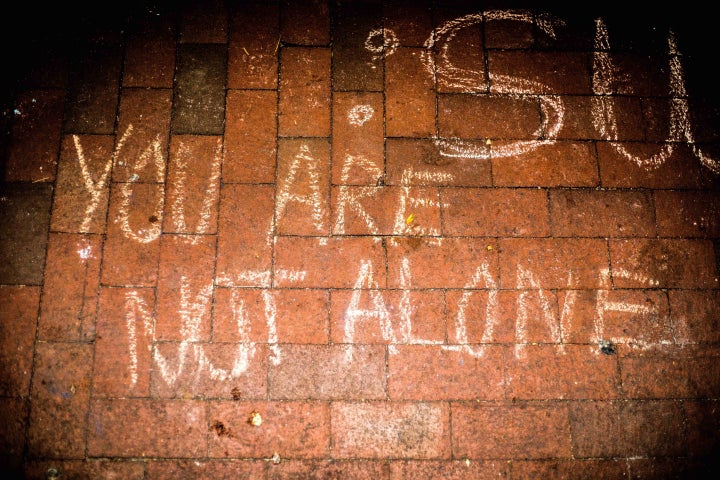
pixel 410 239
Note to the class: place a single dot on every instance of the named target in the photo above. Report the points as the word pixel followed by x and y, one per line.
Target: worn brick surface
pixel 385 239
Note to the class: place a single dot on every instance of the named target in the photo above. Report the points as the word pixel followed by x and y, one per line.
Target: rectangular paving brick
pixel 150 53
pixel 304 107
pixel 220 469
pixel 411 21
pixel 604 429
pixel 33 151
pixel 61 393
pixel 355 66
pixel 605 469
pixel 19 308
pixel 450 469
pixel 571 371
pixel 12 438
pixel 482 117
pixel 163 428
pixel 193 184
pixel 676 263
pixel 24 219
pixel 206 23
pixel 243 246
pixel 409 95
pixel 72 277
pixel 541 72
pixel 199 96
pixel 687 213
pixel 326 372
pixel 495 212
pixel 387 316
pixel 253 44
pixel 390 429
pixel 552 262
pixel 696 315
pixel 346 469
pixel 337 262
pixel 292 429
pixel 357 143
pixel 92 96
pixel 612 213
pixel 702 420
pixel 250 139
pixel 83 184
pixel 559 164
pixel 93 468
pixel 492 430
pixel 445 374
pixel 422 162
pixel 305 23
pixel 301 201
pixel 132 248
pixel 464 258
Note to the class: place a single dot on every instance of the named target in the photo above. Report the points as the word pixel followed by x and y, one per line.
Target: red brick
pixel 244 251
pixel 601 213
pixel 494 430
pixel 495 212
pixel 301 193
pixel 160 428
pixel 358 143
pixel 461 258
pixel 316 470
pixel 304 107
pixel 601 469
pixel 387 317
pixel 193 184
pixel 292 429
pixel 420 162
pixel 83 189
pixel 552 263
pixel 338 262
pixel 580 120
pixel 411 21
pixel 507 33
pixel 670 468
pixel 679 170
pixel 143 124
pixel 540 72
pixel 217 469
pixel 702 420
pixel 203 23
pixel 638 318
pixel 680 263
pixel 253 46
pixel 626 428
pixel 270 316
pixel 33 151
pixel 639 74
pixel 444 374
pixel 150 54
pixel 124 342
pixel 687 214
pixel 19 307
pixel 208 370
pixel 12 436
pixel 131 250
pixel 569 372
pixel 409 95
pixel 491 316
pixel 60 398
pixel 687 373
pixel 250 137
pixel 325 372
pixel 696 315
pixel 385 210
pixel 450 469
pixel 390 430
pixel 87 468
pixel 72 276
pixel 184 288
pixel 559 164
pixel 483 116
pixel 466 62
pixel 306 23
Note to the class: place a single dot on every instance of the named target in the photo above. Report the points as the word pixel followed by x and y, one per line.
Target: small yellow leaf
pixel 255 419
pixel 489 247
pixel 410 219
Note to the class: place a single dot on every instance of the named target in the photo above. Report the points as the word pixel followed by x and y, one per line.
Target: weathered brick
pixel 541 72
pixel 687 214
pixel 304 106
pixel 292 429
pixel 203 23
pixel 254 40
pixel 161 428
pixel 409 95
pixel 495 212
pixel 601 469
pixel 445 374
pixel 527 430
pixel 696 315
pixel 35 137
pixel 355 66
pixel 12 436
pixel 87 468
pixel 250 137
pixel 150 54
pixel 481 117
pixel 306 23
pixel 459 69
pixel 450 469
pixel 19 306
pixel 410 21
pixel 219 469
pixel 319 469
pixel 390 429
pixel 326 372
pixel 702 421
